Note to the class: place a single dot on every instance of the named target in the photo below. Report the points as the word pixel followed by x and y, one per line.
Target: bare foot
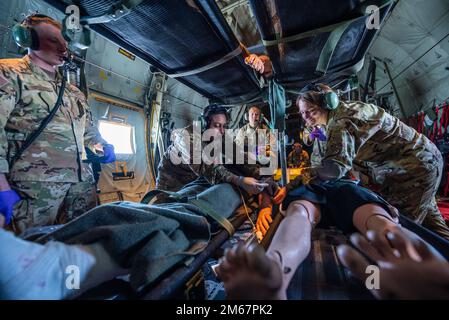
pixel 250 274
pixel 401 275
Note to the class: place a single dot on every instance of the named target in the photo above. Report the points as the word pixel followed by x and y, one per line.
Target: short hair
pixel 312 95
pixel 257 107
pixel 37 18
pixel 212 110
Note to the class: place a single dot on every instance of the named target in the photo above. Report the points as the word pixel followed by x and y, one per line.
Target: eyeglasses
pixel 308 112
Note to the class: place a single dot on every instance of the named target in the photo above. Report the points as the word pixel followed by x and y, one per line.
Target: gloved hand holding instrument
pixel 251 185
pixel 108 154
pixel 319 134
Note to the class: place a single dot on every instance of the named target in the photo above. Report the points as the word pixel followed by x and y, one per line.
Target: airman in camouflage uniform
pixel 255 141
pixel 183 162
pixel 247 131
pixel 173 176
pixel 394 160
pixel 51 179
pixel 298 157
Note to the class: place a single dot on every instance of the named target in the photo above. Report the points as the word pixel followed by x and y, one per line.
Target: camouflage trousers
pixel 49 203
pixel 413 194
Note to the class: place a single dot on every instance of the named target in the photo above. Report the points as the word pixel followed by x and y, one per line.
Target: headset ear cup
pixel 204 123
pixel 34 39
pixel 22 36
pixel 331 100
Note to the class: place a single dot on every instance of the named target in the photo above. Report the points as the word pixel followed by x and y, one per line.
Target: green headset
pixel 24 35
pixel 211 110
pixel 329 100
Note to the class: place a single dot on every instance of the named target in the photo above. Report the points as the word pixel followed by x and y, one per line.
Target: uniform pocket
pixel 15 142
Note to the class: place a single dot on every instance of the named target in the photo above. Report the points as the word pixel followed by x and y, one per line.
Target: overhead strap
pixel 276 100
pixel 209 66
pixel 204 206
pixel 304 35
pixel 329 47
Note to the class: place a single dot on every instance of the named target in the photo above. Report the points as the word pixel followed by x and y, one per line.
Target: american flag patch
pixel 3 81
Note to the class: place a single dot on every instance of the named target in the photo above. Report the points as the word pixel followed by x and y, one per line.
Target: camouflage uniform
pixel 393 160
pixel 172 177
pixel 256 150
pixel 298 160
pixel 318 148
pixel 49 176
pixel 248 131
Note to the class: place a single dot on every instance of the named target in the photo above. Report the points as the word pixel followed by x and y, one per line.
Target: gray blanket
pixel 149 239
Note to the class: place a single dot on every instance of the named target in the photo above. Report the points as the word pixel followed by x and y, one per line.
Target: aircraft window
pixel 121 135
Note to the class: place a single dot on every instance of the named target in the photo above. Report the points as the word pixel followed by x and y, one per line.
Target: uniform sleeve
pixel 91 134
pixel 305 156
pixel 8 91
pixel 341 150
pixel 217 174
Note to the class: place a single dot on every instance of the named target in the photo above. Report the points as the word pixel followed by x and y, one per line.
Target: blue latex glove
pixel 108 154
pixel 319 134
pixel 8 199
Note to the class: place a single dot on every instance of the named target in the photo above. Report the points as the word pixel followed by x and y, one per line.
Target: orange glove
pixel 264 220
pixel 280 195
pixel 255 62
pixel 261 64
pixel 267 66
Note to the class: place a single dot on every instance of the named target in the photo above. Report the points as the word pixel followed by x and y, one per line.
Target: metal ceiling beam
pixel 396 93
pixel 234 5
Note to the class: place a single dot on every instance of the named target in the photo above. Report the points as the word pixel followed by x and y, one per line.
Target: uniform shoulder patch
pixel 3 81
